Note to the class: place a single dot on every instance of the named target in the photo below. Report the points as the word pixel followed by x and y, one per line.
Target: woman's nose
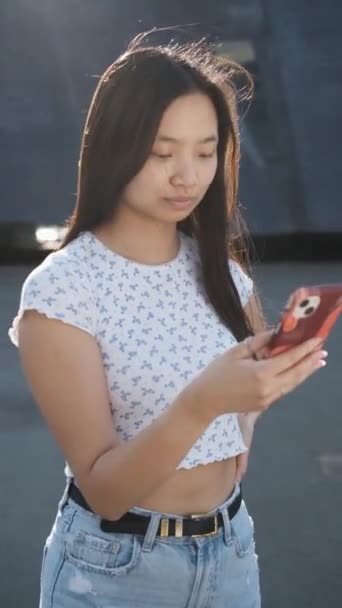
pixel 184 175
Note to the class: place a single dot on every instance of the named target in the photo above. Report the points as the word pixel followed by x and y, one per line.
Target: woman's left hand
pixel 247 423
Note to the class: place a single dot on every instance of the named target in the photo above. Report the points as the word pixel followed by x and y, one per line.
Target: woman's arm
pixel 64 369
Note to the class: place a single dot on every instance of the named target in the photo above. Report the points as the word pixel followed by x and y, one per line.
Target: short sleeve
pixel 243 282
pixel 58 288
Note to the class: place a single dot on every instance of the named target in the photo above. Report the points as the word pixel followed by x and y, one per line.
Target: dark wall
pixel 300 61
pixel 52 51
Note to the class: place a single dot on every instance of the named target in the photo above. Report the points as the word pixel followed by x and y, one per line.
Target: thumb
pixel 251 345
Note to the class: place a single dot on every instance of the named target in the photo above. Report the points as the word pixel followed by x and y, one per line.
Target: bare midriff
pixel 196 490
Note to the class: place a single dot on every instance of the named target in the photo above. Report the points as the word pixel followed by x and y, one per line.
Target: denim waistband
pixel 156 516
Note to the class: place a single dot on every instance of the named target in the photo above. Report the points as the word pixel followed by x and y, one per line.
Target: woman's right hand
pixel 236 382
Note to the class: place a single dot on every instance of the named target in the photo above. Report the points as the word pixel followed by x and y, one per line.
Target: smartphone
pixel 310 312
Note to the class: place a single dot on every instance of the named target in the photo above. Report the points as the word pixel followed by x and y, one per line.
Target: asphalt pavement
pixel 293 487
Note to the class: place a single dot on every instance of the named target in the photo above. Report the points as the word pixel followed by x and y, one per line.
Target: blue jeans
pixel 84 567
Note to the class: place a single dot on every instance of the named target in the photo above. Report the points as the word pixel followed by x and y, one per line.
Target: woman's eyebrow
pixel 205 140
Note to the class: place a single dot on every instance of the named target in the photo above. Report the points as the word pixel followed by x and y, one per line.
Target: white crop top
pixel 154 325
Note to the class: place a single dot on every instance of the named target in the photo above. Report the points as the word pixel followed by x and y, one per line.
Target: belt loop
pixel 151 533
pixel 227 528
pixel 65 495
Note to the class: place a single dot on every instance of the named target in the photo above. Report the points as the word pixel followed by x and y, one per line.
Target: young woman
pixel 136 338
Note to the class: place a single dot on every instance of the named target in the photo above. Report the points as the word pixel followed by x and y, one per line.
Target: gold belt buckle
pixel 164 526
pixel 199 515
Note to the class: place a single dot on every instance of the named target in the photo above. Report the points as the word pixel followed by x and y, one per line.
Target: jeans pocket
pixel 102 555
pixel 243 532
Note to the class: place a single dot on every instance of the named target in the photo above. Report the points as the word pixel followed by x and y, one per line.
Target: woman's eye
pixel 162 155
pixel 166 156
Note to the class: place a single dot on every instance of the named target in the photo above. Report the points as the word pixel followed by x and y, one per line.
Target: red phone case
pixel 310 312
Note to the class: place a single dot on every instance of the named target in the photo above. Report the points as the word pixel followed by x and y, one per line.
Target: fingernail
pixel 324 354
pixel 321 363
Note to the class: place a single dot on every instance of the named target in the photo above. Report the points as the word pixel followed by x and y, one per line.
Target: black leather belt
pixel 198 524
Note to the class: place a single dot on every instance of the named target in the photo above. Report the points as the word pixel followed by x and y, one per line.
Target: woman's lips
pixel 180 202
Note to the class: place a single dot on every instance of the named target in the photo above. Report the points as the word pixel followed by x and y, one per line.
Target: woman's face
pixel 182 163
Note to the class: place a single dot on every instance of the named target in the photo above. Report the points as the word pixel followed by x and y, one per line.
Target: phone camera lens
pixel 309 311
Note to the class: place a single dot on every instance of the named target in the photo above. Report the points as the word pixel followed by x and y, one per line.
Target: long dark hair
pixel 121 125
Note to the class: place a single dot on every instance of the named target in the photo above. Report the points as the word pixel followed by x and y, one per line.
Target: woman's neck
pixel 154 244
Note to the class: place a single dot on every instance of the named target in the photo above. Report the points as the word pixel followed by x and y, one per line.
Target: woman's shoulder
pixel 60 288
pixel 71 260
